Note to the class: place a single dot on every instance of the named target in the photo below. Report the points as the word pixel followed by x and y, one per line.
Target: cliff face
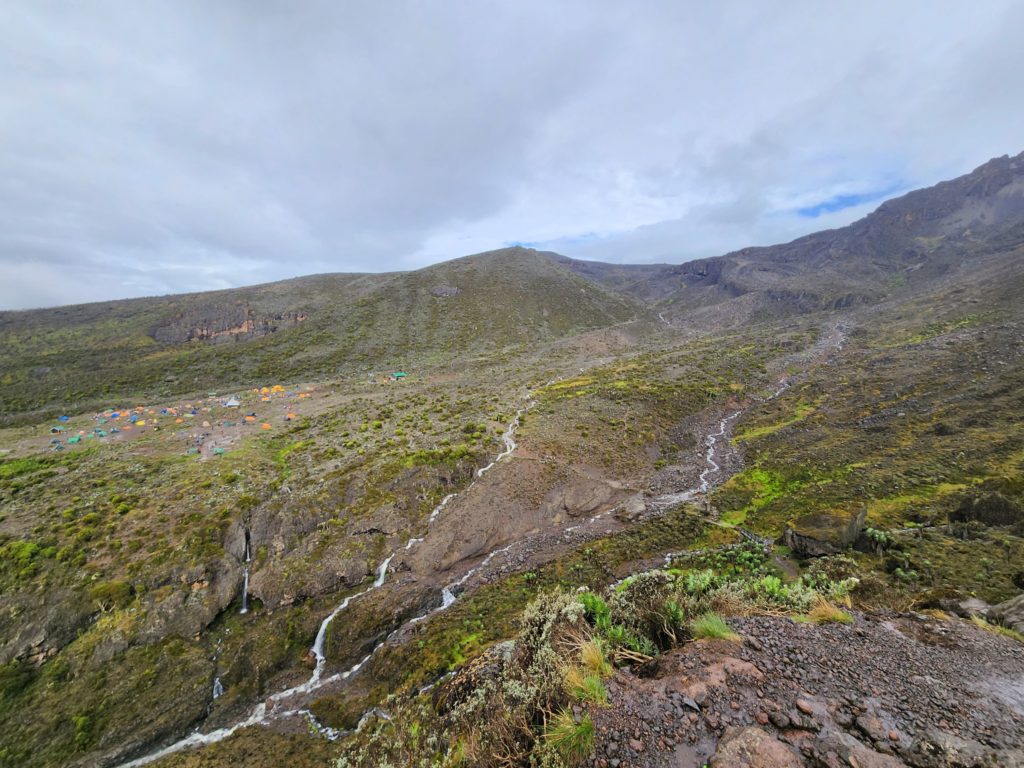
pixel 223 323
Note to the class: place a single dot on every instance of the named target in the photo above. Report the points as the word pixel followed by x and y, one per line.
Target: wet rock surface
pixel 889 690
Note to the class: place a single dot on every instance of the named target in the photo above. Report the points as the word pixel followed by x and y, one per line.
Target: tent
pixel 63 418
pixel 398 375
pixel 232 402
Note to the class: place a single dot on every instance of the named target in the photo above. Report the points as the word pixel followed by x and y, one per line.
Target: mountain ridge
pixel 609 513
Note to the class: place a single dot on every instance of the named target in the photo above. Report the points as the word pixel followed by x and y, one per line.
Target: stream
pixel 261 713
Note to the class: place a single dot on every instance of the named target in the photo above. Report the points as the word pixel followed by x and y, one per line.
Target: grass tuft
pixel 711 626
pixel 573 740
pixel 585 687
pixel 825 612
pixel 593 657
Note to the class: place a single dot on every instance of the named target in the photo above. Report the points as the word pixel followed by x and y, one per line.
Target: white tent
pixel 232 402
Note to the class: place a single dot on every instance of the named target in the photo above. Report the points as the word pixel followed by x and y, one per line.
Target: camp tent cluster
pixel 121 421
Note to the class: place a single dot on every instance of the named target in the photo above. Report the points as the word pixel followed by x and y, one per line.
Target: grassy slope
pixel 919 413
pixel 80 357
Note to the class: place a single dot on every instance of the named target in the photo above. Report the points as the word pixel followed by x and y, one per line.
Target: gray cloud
pixel 157 147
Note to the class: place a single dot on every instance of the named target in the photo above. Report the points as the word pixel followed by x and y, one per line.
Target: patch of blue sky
pixel 839 202
pixel 586 237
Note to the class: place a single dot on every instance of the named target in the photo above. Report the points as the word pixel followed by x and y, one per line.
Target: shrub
pixel 111 594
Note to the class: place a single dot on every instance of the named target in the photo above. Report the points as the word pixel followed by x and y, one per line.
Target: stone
pixel 873 728
pixel 631 509
pixel 823 533
pixel 751 747
pixel 851 752
pixel 1009 613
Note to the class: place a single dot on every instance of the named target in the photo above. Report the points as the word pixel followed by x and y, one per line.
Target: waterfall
pixel 245 590
pixel 260 712
pixel 218 688
pixel 321 635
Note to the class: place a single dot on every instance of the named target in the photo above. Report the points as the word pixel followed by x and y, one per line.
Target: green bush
pixel 109 595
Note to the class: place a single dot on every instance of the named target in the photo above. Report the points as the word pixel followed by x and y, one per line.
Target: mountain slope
pixel 54 359
pixel 465 557
pixel 909 241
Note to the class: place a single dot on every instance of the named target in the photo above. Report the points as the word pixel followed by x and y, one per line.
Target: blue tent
pixel 63 418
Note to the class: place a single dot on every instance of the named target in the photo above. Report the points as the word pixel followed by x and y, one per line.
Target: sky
pixel 163 147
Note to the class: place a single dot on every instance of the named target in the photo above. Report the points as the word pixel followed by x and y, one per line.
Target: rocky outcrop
pixel 188 607
pixel 223 323
pixel 752 747
pixel 890 690
pixel 282 582
pixel 583 497
pixel 1009 613
pixel 823 533
pixel 51 627
pixel 988 508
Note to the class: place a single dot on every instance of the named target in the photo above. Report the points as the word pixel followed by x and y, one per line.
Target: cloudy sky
pixel 156 147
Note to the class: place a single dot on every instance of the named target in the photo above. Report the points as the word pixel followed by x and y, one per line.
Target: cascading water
pixel 245 575
pixel 218 688
pixel 260 712
pixel 245 590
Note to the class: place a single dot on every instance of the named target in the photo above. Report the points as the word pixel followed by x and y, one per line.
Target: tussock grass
pixel 825 612
pixel 585 687
pixel 594 659
pixel 573 740
pixel 711 626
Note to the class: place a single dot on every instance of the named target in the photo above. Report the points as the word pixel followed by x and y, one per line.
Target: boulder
pixel 939 749
pixel 753 748
pixel 1009 613
pixel 823 533
pixel 585 496
pixel 632 509
pixel 988 508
